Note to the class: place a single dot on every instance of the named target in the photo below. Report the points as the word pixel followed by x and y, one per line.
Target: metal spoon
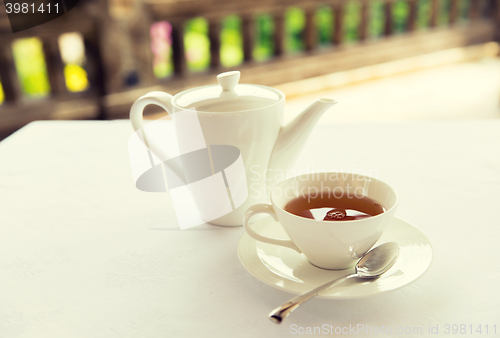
pixel 373 264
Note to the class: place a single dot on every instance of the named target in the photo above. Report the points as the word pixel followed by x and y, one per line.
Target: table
pixel 85 254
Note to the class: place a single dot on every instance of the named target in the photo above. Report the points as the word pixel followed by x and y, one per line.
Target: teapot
pixel 243 121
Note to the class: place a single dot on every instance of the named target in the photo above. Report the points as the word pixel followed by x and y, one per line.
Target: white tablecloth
pixel 83 253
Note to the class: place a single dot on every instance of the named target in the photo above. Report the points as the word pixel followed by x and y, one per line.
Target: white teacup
pixel 327 244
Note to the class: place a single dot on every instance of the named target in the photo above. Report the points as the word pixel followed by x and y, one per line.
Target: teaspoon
pixel 373 264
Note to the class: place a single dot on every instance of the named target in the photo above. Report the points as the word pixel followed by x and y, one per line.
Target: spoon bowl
pixel 373 264
pixel 377 261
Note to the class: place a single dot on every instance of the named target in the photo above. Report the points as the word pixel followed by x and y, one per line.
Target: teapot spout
pixel 293 136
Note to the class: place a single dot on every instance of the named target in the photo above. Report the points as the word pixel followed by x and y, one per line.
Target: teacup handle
pixel 265 209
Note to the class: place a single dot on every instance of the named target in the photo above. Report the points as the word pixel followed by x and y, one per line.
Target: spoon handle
pixel 283 311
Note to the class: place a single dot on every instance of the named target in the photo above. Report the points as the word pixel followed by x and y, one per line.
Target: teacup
pixel 332 245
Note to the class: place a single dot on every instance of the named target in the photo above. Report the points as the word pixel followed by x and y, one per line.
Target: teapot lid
pixel 228 96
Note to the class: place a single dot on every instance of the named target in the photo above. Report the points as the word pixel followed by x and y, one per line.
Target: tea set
pixel 286 251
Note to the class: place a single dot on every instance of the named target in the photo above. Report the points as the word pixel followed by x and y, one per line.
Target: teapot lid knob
pixel 228 80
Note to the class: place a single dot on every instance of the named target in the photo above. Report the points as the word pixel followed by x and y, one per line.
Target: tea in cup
pixel 333 218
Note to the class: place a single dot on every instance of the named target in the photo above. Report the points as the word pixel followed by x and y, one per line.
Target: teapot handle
pixel 163 100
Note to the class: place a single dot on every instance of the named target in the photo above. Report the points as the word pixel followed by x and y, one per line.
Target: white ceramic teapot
pixel 246 116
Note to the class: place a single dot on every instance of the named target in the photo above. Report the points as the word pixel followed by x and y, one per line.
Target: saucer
pixel 287 270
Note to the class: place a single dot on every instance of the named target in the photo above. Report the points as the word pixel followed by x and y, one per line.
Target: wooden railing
pixel 18 109
pixel 480 27
pixel 110 96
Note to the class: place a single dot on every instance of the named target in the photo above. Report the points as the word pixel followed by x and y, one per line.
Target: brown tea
pixel 329 207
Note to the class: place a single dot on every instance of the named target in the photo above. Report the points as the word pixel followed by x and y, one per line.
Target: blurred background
pixel 384 60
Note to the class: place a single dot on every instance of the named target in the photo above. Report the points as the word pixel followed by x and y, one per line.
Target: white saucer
pixel 287 270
